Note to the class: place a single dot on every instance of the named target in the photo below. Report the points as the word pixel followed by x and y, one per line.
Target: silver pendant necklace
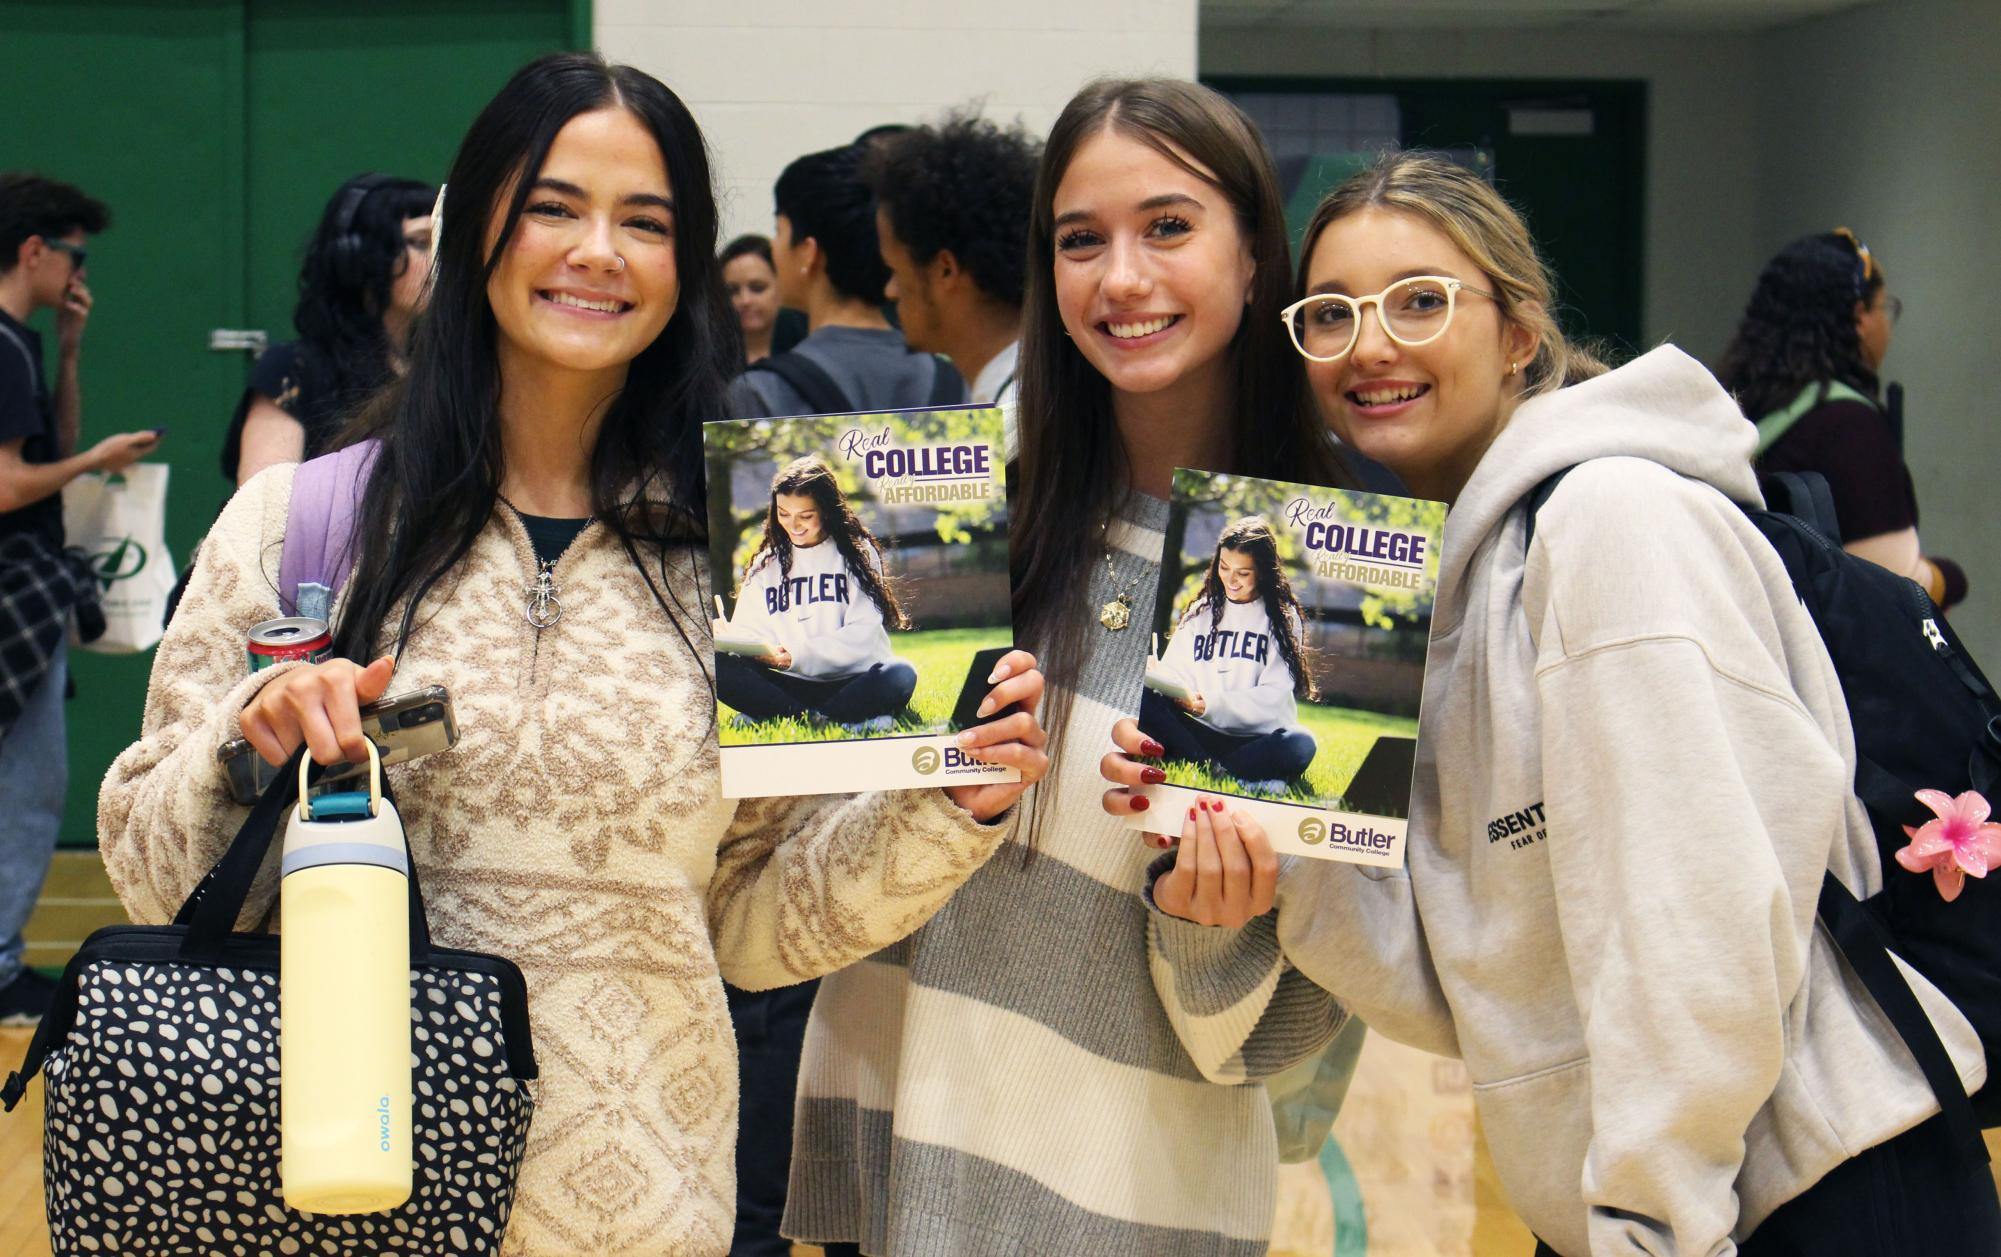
pixel 544 607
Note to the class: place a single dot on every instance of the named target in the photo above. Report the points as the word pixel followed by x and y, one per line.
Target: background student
pixel 1805 366
pixel 952 208
pixel 366 274
pixel 1005 1081
pixel 577 337
pixel 768 326
pixel 45 231
pixel 1668 1056
pixel 1239 652
pixel 823 244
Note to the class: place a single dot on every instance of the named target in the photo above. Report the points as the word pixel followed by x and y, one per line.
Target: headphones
pixel 349 249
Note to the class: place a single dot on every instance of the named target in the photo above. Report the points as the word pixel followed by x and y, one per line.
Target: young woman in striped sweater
pixel 1005 1081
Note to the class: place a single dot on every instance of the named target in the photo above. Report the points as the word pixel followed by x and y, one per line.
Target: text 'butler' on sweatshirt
pixel 1236 667
pixel 819 611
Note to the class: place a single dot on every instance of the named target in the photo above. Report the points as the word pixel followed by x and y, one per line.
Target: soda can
pixel 292 637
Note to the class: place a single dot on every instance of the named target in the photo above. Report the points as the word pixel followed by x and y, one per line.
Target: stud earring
pixel 1514 368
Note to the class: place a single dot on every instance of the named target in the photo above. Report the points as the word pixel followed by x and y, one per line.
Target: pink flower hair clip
pixel 1959 842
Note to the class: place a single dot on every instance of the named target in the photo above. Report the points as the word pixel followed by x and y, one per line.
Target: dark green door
pixel 215 130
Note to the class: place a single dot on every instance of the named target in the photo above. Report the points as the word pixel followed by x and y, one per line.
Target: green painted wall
pixel 215 130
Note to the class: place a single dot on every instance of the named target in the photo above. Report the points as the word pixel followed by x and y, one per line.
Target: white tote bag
pixel 120 520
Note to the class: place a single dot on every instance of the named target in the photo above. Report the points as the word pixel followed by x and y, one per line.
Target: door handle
pixel 224 340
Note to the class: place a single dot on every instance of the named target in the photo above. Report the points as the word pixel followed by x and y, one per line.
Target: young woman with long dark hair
pixel 1668 1053
pixel 815 590
pixel 1006 1081
pixel 363 282
pixel 1238 654
pixel 1805 366
pixel 529 536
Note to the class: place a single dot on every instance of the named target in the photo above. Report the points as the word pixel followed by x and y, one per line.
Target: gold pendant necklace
pixel 1118 613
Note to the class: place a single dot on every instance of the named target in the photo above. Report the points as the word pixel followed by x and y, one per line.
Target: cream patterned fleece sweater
pixel 576 829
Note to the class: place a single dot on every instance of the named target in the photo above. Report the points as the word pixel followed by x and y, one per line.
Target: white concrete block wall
pixel 770 80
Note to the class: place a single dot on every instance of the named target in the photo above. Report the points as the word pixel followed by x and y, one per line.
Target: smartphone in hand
pixel 403 727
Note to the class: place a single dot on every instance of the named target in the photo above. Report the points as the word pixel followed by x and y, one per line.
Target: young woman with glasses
pixel 1804 365
pixel 1634 767
pixel 547 436
pixel 1005 1082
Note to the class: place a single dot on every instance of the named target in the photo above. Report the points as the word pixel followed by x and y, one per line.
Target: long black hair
pixel 351 264
pixel 1072 472
pixel 810 477
pixel 1253 536
pixel 437 476
pixel 1799 326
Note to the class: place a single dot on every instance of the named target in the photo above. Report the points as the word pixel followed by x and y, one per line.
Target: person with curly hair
pixel 366 272
pixel 1804 365
pixel 816 591
pixel 1237 662
pixel 952 209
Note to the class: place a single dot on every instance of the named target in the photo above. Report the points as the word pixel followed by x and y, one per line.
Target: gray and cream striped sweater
pixel 1006 1081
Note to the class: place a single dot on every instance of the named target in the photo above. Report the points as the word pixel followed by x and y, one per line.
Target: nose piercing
pixel 621 262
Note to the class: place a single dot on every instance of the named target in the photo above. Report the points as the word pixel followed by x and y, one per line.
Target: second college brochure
pixel 1290 628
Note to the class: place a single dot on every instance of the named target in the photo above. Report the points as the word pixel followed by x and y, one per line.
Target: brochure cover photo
pixel 859 564
pixel 1290 634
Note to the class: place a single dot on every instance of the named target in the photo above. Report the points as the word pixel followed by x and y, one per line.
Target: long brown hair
pixel 1481 224
pixel 1253 536
pixel 1072 473
pixel 810 477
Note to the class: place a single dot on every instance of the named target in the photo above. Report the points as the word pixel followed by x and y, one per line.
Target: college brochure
pixel 1290 634
pixel 859 564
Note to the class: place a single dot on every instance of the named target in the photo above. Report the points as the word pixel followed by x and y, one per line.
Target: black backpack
pixel 1924 718
pixel 819 390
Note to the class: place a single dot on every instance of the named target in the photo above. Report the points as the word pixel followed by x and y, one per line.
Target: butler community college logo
pixel 1312 831
pixel 925 761
pixel 122 560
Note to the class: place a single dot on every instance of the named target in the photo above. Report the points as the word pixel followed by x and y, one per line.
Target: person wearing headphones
pixel 366 272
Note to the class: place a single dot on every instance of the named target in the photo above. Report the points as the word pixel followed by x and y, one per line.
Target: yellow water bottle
pixel 344 1003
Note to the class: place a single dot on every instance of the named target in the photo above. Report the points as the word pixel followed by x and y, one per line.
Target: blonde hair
pixel 1485 228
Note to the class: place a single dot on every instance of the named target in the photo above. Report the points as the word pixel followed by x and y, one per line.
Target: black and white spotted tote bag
pixel 161 1061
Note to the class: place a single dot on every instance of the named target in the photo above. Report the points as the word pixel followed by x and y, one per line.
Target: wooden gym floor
pixel 77 900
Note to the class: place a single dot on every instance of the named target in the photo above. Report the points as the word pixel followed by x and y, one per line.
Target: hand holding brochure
pixel 866 581
pixel 1300 615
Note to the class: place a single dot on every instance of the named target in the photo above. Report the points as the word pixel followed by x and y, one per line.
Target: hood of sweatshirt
pixel 1663 406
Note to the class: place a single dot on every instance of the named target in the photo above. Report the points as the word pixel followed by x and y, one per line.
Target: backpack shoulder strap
pixel 319 528
pixel 946 387
pixel 1775 425
pixel 1805 496
pixel 808 379
pixel 1537 497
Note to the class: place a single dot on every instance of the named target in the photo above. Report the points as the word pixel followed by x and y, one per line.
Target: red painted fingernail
pixel 1141 803
pixel 1152 749
pixel 1152 776
pixel 1191 813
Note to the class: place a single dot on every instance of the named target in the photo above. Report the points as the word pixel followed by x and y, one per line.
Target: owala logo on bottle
pixel 382 1122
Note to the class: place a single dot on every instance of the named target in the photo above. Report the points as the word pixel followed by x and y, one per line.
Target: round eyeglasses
pixel 1414 311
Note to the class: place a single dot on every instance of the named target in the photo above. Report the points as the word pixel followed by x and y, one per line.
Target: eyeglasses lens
pixel 1414 311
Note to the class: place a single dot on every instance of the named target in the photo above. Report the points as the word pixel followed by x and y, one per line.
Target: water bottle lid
pixel 310 808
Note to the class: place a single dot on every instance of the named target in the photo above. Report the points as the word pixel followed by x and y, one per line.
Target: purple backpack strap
pixel 319 527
